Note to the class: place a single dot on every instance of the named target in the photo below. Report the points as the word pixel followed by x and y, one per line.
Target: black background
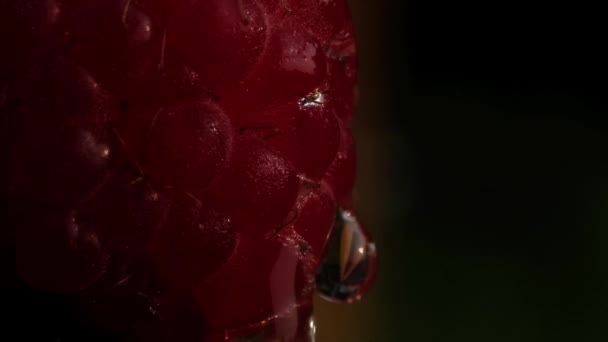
pixel 484 169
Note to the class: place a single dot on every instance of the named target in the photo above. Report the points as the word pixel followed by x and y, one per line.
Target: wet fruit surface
pixel 349 267
pixel 171 170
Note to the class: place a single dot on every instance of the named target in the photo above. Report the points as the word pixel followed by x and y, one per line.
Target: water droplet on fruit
pixel 314 99
pixel 350 265
pixel 313 329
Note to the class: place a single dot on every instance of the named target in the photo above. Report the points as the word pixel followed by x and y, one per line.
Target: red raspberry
pixel 173 169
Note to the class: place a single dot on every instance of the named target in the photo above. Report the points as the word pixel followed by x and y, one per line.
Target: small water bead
pixel 312 325
pixel 350 265
pixel 314 99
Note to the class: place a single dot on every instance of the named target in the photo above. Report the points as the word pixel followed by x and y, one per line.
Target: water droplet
pixel 314 99
pixel 350 265
pixel 313 329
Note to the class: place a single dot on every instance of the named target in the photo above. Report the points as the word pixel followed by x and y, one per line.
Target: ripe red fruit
pixel 55 253
pixel 229 33
pixel 208 137
pixel 172 169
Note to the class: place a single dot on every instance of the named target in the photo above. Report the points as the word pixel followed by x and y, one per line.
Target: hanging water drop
pixel 350 265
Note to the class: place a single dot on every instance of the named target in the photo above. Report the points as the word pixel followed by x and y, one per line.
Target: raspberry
pixel 208 138
pixel 57 254
pixel 232 34
pixel 173 169
pixel 192 231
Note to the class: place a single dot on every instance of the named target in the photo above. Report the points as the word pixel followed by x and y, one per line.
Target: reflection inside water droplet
pixel 313 329
pixel 350 265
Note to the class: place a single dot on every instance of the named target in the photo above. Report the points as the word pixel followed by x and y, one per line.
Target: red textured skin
pixel 173 167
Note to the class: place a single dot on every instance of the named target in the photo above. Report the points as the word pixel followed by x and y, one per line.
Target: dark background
pixel 483 172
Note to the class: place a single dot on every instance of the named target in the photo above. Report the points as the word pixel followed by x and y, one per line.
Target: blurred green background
pixel 483 172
